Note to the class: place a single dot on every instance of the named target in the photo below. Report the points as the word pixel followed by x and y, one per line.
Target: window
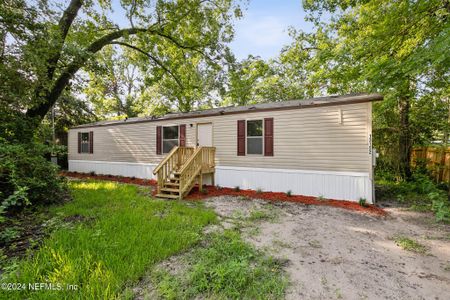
pixel 170 138
pixel 85 142
pixel 255 137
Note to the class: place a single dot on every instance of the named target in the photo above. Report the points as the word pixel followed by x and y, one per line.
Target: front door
pixel 204 135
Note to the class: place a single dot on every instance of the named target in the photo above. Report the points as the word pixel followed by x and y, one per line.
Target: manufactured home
pixel 316 147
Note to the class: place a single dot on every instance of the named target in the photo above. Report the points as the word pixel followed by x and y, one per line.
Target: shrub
pixel 440 205
pixel 321 198
pixel 289 193
pixel 237 188
pixel 8 234
pixel 259 191
pixel 421 193
pixel 362 202
pixel 26 177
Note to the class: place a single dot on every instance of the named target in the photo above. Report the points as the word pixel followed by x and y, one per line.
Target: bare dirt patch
pixel 331 253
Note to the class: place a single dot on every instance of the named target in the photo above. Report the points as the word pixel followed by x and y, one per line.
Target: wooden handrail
pixel 189 161
pixel 201 160
pixel 190 170
pixel 164 161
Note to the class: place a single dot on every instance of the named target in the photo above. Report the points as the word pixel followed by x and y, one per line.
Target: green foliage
pixel 321 198
pixel 289 193
pixel 119 235
pixel 228 268
pixel 8 234
pixel 26 177
pixel 440 206
pixel 172 46
pixel 362 202
pixel 421 193
pixel 409 244
pixel 237 188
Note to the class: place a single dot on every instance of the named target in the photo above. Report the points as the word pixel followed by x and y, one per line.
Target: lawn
pixel 104 241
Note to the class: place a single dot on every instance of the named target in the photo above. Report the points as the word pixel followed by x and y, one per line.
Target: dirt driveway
pixel 332 253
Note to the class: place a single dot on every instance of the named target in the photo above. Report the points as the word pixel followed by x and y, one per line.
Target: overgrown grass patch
pixel 225 268
pixel 409 244
pixel 126 234
pixel 420 194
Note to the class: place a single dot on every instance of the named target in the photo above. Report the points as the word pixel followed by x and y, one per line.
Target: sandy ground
pixel 332 253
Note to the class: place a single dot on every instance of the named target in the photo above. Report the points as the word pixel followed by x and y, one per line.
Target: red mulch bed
pixel 212 191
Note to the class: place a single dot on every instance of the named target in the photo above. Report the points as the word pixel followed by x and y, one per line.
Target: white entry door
pixel 204 135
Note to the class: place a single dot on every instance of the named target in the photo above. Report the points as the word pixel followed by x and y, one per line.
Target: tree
pixel 53 47
pixel 114 85
pixel 392 47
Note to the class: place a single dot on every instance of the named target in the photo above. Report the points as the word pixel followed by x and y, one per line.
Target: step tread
pixel 169 190
pixel 167 196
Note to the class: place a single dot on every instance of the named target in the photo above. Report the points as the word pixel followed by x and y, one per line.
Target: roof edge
pixel 352 99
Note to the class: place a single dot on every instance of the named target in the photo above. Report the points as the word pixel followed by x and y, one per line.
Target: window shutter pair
pixel 181 142
pixel 268 137
pixel 91 142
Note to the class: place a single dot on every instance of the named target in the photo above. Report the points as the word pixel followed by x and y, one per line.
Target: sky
pixel 263 29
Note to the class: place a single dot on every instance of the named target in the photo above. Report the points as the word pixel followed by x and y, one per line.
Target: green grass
pixel 262 214
pixel 120 236
pixel 226 268
pixel 410 245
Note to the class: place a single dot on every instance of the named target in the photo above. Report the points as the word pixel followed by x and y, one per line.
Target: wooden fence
pixel 436 159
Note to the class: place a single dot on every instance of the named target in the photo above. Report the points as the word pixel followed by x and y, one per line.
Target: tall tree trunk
pixel 405 145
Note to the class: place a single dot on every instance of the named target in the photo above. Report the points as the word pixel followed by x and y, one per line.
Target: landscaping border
pixel 213 191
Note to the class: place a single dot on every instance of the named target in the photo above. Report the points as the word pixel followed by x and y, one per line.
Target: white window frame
pixel 87 142
pixel 163 139
pixel 246 137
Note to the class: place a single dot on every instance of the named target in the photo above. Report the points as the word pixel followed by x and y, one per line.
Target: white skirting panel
pixel 329 184
pixel 138 170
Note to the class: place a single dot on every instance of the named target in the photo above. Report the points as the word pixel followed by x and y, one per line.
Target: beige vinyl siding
pixel 304 139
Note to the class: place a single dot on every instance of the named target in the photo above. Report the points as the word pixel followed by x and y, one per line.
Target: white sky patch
pixel 263 30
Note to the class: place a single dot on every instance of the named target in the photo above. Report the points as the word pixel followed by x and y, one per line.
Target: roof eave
pixel 352 100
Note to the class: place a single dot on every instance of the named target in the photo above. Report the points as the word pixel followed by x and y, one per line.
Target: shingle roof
pixel 282 105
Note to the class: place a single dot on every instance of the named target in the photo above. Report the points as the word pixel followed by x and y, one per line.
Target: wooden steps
pixel 171 188
pixel 181 169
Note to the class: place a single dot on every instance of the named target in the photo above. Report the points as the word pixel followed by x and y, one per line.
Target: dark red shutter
pixel 268 137
pixel 241 137
pixel 183 135
pixel 158 139
pixel 91 142
pixel 79 142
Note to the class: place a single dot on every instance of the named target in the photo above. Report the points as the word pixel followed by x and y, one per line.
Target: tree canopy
pixel 46 44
